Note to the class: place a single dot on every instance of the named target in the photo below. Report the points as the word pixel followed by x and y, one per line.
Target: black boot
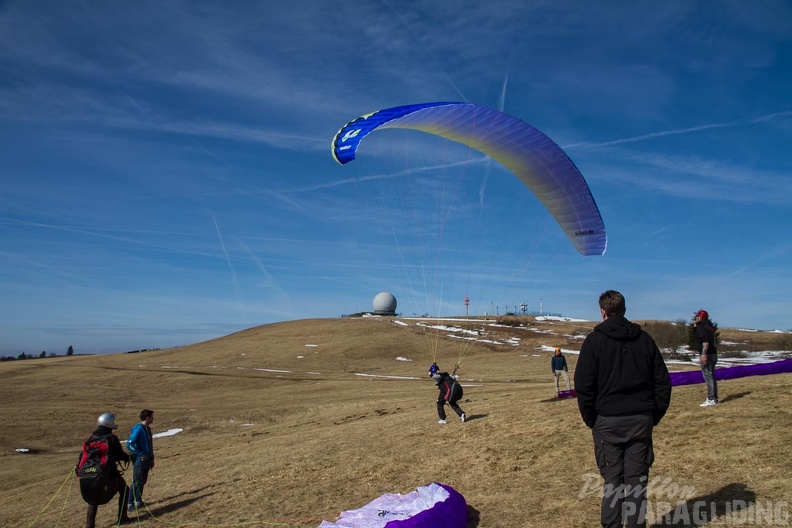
pixel 90 521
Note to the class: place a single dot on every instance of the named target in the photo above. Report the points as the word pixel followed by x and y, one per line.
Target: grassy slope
pixel 324 439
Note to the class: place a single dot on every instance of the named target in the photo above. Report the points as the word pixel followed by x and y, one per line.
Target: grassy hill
pixel 291 423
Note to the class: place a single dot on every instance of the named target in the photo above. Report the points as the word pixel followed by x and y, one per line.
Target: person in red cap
pixel 708 354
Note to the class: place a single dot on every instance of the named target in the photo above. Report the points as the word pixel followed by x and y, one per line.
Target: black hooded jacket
pixel 705 333
pixel 620 372
pixel 450 389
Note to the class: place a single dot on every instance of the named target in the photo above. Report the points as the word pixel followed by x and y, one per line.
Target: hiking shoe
pixel 463 417
pixel 131 508
pixel 707 403
pixel 442 421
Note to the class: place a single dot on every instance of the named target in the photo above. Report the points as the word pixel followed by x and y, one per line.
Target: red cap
pixel 703 314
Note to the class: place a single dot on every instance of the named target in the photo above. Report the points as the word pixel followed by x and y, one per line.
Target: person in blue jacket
pixel 141 448
pixel 558 364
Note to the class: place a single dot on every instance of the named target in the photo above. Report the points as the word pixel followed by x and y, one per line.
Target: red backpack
pixel 94 470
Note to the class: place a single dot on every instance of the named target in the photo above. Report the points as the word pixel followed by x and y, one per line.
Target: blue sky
pixel 166 175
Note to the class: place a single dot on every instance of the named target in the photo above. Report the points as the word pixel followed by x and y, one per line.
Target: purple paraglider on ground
pixel 567 394
pixel 432 506
pixel 691 377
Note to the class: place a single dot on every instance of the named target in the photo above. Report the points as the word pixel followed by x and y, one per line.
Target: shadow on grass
pixel 556 399
pixel 475 417
pixel 169 508
pixel 732 397
pixel 702 510
pixel 472 517
pixel 191 492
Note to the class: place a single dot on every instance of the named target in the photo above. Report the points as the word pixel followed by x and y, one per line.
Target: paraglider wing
pixel 527 152
pixel 691 377
pixel 432 506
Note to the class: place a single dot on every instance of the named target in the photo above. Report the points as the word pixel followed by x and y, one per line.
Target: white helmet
pixel 108 420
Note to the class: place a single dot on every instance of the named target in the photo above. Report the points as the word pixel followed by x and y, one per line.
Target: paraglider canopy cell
pixel 385 304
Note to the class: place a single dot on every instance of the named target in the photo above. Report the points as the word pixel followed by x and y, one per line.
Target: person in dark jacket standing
pixel 141 446
pixel 623 391
pixel 558 364
pixel 450 391
pixel 708 354
pixel 112 482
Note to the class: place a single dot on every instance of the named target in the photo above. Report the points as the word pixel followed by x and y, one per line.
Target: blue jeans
pixel 708 370
pixel 141 470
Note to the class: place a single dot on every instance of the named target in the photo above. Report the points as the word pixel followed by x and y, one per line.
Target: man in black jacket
pixel 101 491
pixel 450 391
pixel 705 341
pixel 623 391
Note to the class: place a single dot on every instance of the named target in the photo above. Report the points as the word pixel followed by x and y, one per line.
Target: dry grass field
pixel 291 423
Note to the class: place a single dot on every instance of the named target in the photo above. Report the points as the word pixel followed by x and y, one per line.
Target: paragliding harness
pixel 455 391
pixel 95 469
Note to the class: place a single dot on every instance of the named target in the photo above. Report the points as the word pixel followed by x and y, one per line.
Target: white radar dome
pixel 385 303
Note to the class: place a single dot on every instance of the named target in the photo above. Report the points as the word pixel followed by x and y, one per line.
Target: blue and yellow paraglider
pixel 527 152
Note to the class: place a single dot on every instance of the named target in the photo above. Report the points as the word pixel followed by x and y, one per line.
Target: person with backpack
pixel 558 364
pixel 450 391
pixel 141 448
pixel 100 479
pixel 704 331
pixel 623 391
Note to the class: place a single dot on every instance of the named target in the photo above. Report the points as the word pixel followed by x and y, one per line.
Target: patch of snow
pixel 22 450
pixel 381 376
pixel 402 323
pixel 273 370
pixel 402 359
pixel 559 318
pixel 246 425
pixel 169 432
pixel 312 345
pixel 300 357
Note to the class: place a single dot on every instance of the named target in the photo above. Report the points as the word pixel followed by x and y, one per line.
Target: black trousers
pixel 623 449
pixel 452 403
pixel 123 494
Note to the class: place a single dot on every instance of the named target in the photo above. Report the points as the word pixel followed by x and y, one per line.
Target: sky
pixel 166 178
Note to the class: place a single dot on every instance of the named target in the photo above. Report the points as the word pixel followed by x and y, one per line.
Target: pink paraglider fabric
pixel 432 506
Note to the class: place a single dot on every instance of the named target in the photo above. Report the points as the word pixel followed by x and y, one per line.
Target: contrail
pixel 769 255
pixel 230 266
pixel 426 50
pixel 502 101
pixel 675 132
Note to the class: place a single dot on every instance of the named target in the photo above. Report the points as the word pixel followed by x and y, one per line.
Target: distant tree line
pixel 22 355
pixel 43 354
